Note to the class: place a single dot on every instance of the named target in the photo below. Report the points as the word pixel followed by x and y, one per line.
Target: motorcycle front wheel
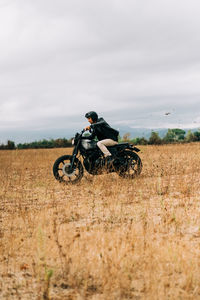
pixel 132 165
pixel 63 171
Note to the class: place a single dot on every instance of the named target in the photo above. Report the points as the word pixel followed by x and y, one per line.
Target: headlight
pixel 72 141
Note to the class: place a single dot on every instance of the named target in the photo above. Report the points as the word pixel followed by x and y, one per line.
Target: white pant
pixel 102 146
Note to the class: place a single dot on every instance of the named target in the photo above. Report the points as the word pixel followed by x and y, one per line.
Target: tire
pixel 132 166
pixel 63 173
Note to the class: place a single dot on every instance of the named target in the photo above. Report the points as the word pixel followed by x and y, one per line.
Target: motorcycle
pixel 69 168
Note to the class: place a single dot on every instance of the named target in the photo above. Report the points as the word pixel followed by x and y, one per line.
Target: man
pixel 106 135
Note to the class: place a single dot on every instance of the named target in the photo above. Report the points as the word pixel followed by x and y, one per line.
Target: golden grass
pixel 105 238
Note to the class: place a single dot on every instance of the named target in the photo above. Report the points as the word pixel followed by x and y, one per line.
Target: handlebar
pixel 83 131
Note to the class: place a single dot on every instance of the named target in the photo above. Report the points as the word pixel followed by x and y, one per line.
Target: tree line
pixel 175 135
pixel 42 144
pixel 172 136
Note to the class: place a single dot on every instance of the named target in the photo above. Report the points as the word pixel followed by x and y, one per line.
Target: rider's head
pixel 92 116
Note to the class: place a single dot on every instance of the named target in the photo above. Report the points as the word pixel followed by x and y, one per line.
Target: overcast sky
pixel 132 61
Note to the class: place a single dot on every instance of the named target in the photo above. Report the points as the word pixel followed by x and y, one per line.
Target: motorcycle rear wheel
pixel 132 167
pixel 63 172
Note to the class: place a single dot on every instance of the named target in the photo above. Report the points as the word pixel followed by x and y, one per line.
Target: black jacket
pixel 102 130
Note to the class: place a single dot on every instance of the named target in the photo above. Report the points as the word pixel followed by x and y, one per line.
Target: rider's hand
pixel 87 128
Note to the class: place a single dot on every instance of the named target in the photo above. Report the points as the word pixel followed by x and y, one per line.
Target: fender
pixel 132 147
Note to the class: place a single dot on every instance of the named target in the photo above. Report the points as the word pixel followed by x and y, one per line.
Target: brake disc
pixel 67 170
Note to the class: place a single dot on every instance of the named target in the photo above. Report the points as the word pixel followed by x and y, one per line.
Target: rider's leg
pixel 102 146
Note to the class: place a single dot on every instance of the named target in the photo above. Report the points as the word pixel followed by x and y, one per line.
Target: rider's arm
pixel 100 122
pixel 89 137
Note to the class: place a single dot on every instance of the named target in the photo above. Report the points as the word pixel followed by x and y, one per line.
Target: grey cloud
pixel 119 58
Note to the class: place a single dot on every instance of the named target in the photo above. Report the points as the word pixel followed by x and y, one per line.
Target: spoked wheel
pixel 63 171
pixel 132 165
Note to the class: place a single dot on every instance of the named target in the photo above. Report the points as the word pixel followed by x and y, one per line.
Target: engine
pixel 93 164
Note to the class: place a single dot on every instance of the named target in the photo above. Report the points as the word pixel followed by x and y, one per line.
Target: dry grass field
pixel 105 238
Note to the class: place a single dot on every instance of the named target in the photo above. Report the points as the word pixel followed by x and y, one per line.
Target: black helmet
pixel 93 115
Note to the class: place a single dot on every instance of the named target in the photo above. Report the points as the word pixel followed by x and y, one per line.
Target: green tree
pixel 155 139
pixel 10 145
pixel 174 135
pixel 169 137
pixel 179 134
pixel 139 141
pixel 197 135
pixel 190 137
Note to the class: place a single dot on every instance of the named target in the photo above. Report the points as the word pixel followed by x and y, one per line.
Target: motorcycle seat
pixel 118 145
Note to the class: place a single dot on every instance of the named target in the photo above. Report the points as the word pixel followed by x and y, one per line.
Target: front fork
pixel 75 151
pixel 72 162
